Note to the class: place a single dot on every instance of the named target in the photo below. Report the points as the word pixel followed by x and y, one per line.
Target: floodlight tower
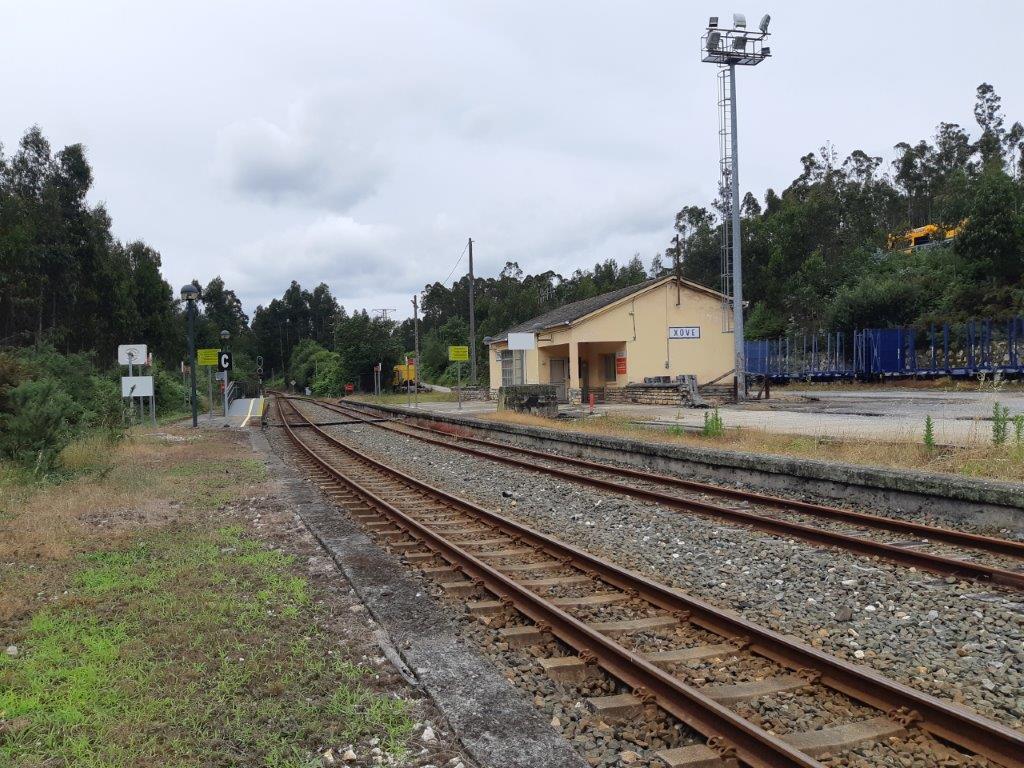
pixel 728 47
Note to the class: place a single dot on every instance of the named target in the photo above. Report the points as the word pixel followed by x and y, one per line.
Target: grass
pixel 1004 462
pixel 152 633
pixel 197 648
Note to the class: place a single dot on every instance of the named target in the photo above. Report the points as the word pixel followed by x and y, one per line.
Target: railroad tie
pixel 570 669
pixel 602 598
pixel 735 692
pixel 693 756
pixel 547 565
pixel 841 737
pixel 679 655
pixel 554 581
pixel 615 628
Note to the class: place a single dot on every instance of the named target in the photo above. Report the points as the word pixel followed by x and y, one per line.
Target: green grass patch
pixel 208 484
pixel 186 649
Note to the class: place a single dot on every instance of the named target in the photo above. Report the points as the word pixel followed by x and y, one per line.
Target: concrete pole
pixel 737 251
pixel 416 334
pixel 472 318
pixel 192 360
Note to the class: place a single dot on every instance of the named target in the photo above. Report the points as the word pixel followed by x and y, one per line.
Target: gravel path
pixel 952 639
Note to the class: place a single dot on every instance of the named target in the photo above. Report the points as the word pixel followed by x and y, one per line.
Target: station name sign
pixel 684 331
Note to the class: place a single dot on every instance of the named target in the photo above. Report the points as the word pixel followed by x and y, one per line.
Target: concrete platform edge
pixel 987 502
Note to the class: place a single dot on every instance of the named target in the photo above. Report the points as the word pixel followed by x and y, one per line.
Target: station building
pixel 656 331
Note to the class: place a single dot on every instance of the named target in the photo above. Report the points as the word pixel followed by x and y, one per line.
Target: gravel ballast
pixel 957 640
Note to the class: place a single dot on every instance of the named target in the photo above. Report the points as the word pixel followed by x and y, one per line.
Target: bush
pixel 1000 423
pixel 929 433
pixel 713 425
pixel 40 424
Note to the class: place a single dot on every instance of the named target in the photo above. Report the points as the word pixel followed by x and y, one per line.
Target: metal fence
pixel 960 350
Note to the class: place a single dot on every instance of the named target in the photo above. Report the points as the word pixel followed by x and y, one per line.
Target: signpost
pixel 224 365
pixel 133 386
pixel 459 355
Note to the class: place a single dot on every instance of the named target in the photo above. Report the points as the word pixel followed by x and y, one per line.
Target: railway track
pixel 945 551
pixel 661 645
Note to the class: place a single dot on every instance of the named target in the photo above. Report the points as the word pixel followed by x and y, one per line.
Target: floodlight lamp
pixel 713 39
pixel 739 43
pixel 739 21
pixel 712 22
pixel 766 51
pixel 765 20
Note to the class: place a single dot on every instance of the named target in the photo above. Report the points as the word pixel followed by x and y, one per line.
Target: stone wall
pixel 648 394
pixel 475 393
pixel 538 399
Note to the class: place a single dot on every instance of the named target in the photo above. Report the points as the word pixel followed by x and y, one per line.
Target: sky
pixel 361 143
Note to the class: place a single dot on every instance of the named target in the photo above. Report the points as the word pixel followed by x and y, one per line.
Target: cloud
pixel 349 256
pixel 313 160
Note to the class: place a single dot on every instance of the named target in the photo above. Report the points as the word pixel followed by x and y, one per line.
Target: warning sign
pixel 620 364
pixel 458 354
pixel 207 356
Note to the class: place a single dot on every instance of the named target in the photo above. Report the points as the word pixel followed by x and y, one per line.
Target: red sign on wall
pixel 620 365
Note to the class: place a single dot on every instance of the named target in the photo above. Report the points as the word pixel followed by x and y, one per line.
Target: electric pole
pixel 472 318
pixel 416 335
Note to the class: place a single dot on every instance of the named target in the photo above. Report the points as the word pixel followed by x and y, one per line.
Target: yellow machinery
pixel 918 236
pixel 402 375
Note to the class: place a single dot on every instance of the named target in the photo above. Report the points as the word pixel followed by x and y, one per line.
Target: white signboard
pixel 131 354
pixel 136 386
pixel 522 341
pixel 684 332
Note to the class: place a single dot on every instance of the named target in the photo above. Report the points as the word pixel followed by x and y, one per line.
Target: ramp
pixel 246 411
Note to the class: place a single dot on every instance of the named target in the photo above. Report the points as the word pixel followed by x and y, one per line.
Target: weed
pixel 713 426
pixel 1000 423
pixel 929 433
pixel 1018 430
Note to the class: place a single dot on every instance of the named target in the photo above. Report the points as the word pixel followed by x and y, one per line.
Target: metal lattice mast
pixel 725 78
pixel 727 48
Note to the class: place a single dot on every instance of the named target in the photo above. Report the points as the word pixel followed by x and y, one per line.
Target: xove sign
pixel 684 331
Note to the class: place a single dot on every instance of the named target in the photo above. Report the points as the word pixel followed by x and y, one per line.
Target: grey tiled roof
pixel 569 313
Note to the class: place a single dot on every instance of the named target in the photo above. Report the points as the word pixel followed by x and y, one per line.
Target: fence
pixel 964 350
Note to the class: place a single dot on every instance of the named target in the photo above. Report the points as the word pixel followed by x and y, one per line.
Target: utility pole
pixel 416 335
pixel 472 318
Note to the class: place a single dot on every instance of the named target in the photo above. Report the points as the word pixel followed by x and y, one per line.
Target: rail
pixel 753 746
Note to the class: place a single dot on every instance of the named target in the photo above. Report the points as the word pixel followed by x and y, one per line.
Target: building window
pixel 512 367
pixel 608 366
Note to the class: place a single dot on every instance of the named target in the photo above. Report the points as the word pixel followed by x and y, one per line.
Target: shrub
pixel 40 423
pixel 713 425
pixel 1018 429
pixel 1000 423
pixel 929 433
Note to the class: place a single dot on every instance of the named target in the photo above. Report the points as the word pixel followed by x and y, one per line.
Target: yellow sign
pixel 207 356
pixel 458 354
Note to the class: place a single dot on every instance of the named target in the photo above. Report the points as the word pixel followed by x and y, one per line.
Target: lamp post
pixel 189 295
pixel 224 336
pixel 728 47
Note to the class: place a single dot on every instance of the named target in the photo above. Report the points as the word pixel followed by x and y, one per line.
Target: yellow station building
pixel 664 327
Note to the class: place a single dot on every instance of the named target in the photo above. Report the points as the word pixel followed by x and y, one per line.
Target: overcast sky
pixel 361 143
